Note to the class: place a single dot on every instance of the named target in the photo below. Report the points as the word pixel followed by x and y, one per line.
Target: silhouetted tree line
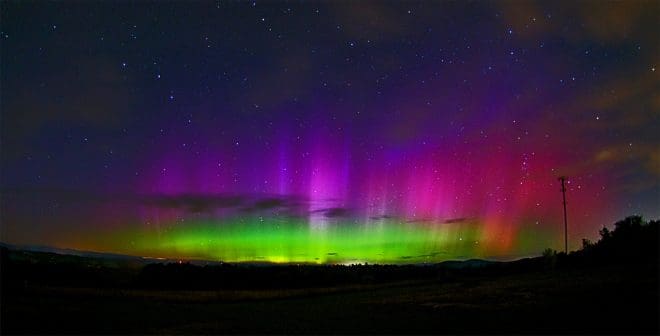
pixel 632 242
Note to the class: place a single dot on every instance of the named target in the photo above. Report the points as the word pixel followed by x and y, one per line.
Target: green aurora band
pixel 295 240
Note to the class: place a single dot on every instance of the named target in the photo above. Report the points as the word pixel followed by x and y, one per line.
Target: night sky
pixel 326 131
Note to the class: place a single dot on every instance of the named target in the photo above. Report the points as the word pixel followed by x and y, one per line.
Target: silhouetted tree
pixel 550 258
pixel 605 233
pixel 633 240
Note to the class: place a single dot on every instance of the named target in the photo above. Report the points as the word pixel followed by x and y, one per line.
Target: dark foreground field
pixel 597 300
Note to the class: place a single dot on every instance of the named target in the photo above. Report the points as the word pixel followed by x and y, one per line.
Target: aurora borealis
pixel 326 132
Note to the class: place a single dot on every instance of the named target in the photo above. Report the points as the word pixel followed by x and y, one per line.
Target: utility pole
pixel 563 192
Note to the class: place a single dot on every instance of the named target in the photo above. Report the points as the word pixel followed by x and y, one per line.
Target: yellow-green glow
pixel 287 240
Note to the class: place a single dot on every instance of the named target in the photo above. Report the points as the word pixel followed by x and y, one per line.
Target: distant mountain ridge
pixel 469 263
pixel 67 251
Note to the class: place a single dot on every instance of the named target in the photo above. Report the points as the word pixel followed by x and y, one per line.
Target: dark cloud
pixel 195 203
pixel 269 203
pixel 457 220
pixel 334 212
pixel 280 205
pixel 420 220
pixel 447 221
pixel 381 217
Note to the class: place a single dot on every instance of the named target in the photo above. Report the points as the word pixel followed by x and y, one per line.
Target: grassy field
pixel 597 300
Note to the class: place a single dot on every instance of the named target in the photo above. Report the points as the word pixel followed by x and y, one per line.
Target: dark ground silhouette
pixel 610 286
